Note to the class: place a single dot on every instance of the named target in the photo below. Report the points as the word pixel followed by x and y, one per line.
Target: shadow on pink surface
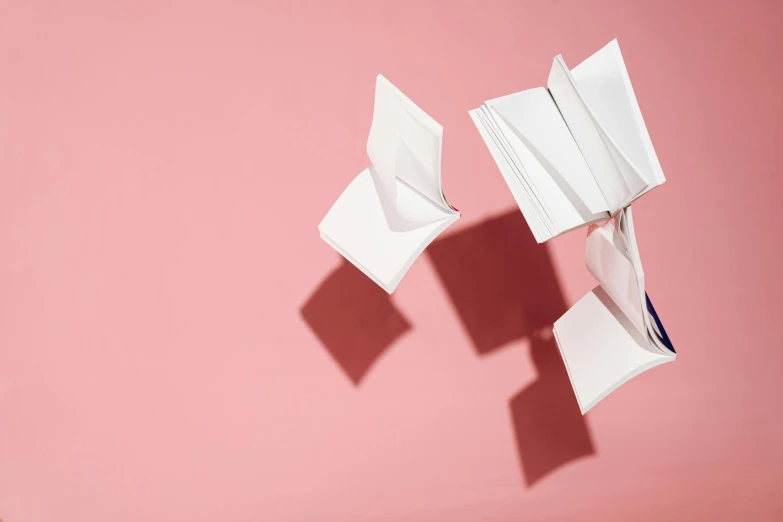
pixel 550 430
pixel 354 319
pixel 502 284
pixel 504 288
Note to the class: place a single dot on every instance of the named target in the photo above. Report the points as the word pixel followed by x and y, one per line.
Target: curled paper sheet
pixel 614 264
pixel 612 256
pixel 404 149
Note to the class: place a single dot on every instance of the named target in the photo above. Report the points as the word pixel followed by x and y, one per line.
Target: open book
pixel 613 333
pixel 392 210
pixel 575 152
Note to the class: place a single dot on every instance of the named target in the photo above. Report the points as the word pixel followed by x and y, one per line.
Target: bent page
pixel 405 143
pixel 357 227
pixel 601 349
pixel 603 81
pixel 608 259
pixel 618 180
pixel 511 172
pixel 612 257
pixel 655 330
pixel 551 157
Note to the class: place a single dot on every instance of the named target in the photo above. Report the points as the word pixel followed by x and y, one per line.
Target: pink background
pixel 166 302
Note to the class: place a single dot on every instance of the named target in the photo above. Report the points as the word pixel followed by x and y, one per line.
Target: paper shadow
pixel 504 288
pixel 354 319
pixel 550 430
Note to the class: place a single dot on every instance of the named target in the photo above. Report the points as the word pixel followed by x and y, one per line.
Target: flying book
pixel 574 152
pixel 390 212
pixel 613 333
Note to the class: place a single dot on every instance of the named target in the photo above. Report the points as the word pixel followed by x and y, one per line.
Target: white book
pixel 576 151
pixel 613 333
pixel 391 211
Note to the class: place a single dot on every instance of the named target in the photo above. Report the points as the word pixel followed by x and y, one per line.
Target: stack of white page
pixel 392 210
pixel 613 333
pixel 576 151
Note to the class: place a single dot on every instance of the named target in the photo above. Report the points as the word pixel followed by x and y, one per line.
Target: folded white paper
pixel 575 152
pixel 391 211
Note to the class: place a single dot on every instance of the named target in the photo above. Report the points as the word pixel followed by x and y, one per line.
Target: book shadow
pixel 504 288
pixel 354 319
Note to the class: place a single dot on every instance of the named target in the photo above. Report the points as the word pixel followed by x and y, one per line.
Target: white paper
pixel 604 84
pixel 601 349
pixel 618 181
pixel 510 170
pixel 608 259
pixel 405 143
pixel 357 227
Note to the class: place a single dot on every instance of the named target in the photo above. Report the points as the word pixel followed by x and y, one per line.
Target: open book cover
pixel 391 211
pixel 576 151
pixel 613 333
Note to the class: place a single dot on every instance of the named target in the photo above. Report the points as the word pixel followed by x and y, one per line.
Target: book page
pixel 357 227
pixel 608 259
pixel 382 142
pixel 509 170
pixel 655 330
pixel 552 157
pixel 612 257
pixel 405 144
pixel 601 349
pixel 619 182
pixel 603 81
pixel 531 174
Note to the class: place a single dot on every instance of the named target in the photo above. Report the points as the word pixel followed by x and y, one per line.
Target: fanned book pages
pixel 395 208
pixel 613 333
pixel 574 152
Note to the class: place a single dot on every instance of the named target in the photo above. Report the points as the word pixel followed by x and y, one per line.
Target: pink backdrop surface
pixel 177 343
